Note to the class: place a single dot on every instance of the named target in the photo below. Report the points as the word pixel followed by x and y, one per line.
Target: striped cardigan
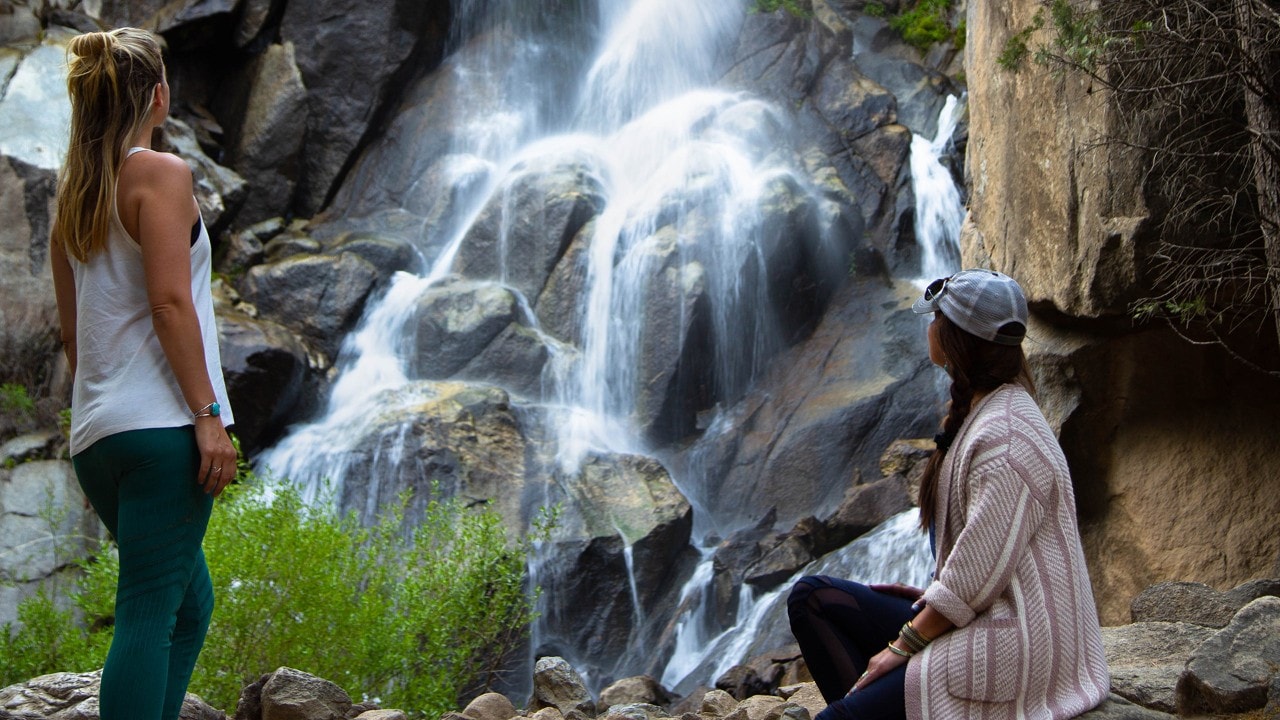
pixel 1011 576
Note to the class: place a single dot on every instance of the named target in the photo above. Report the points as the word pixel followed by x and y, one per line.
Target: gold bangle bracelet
pixel 899 651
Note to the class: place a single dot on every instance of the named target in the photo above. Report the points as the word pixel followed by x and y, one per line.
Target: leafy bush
pixel 16 403
pixel 51 639
pixel 411 618
pixel 924 24
pixel 799 8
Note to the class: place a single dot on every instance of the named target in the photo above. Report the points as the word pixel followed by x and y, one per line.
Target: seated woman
pixel 1008 626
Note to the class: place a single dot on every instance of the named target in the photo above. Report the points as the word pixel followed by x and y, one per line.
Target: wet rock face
pixel 318 296
pixel 523 232
pixel 265 367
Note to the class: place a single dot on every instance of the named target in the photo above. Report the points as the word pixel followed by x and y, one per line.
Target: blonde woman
pixel 131 268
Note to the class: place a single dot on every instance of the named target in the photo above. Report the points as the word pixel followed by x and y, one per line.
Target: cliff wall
pixel 1176 475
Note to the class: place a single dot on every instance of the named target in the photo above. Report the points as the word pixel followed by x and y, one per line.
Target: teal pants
pixel 143 485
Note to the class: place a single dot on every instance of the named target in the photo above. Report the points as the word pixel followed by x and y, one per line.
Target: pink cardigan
pixel 1011 575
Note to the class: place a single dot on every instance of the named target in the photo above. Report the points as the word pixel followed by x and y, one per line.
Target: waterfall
pixel 650 126
pixel 939 212
pixel 624 92
pixel 896 551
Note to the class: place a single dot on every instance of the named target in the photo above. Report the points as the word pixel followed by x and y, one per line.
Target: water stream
pixel 684 168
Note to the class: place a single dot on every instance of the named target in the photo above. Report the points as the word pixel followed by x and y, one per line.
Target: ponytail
pixel 975 365
pixel 111 79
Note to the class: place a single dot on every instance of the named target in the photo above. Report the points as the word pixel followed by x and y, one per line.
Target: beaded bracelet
pixel 913 638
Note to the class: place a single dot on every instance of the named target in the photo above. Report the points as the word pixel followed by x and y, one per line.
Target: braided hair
pixel 975 365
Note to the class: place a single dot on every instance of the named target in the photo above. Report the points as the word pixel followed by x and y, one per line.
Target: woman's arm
pixel 161 190
pixel 64 290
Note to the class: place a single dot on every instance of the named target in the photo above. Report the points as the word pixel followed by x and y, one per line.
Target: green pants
pixel 143 485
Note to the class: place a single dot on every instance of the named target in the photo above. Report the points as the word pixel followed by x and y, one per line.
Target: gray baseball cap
pixel 981 302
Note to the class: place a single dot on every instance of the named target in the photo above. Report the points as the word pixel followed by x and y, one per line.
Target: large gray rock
pixel 28 316
pixel 825 410
pixel 1147 658
pixel 887 60
pixel 616 570
pixel 348 77
pixel 557 685
pixel 389 254
pixel 295 695
pixel 636 689
pixel 74 696
pixel 44 529
pixel 1233 670
pixel 490 706
pixel 455 321
pixel 1182 602
pixel 18 22
pixel 319 296
pixel 35 114
pixel 515 360
pixel 674 354
pixel 35 110
pixel 528 224
pixel 219 190
pixel 865 506
pixel 265 367
pixel 1117 708
pixel 266 146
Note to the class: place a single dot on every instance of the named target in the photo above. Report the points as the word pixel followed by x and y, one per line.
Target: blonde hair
pixel 111 79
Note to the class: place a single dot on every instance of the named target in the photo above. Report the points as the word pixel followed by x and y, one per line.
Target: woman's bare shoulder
pixel 157 168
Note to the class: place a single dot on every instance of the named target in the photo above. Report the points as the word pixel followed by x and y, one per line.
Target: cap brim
pixel 923 307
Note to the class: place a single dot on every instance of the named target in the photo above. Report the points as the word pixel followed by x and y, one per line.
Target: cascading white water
pixel 650 125
pixel 892 553
pixel 669 151
pixel 896 551
pixel 939 212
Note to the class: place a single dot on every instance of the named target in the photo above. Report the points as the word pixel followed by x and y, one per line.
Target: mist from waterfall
pixel 629 100
pixel 647 123
pixel 896 551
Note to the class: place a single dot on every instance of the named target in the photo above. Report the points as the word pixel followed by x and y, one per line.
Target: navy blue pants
pixel 840 626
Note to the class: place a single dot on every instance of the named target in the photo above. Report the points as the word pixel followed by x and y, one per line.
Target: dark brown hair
pixel 975 365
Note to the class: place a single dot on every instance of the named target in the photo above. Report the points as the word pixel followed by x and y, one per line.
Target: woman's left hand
pixel 883 662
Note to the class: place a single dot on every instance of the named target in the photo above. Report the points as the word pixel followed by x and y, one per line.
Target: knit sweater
pixel 1011 576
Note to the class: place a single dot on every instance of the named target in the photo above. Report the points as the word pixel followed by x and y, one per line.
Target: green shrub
pixel 798 8
pixel 16 403
pixel 51 639
pixel 409 618
pixel 874 9
pixel 924 24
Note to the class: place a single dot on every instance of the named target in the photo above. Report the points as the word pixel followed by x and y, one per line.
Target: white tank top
pixel 123 380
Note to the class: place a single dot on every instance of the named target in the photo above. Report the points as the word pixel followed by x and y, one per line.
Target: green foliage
pixel 15 402
pixel 874 9
pixel 1017 47
pixel 798 8
pixel 411 618
pixel 49 639
pixel 1077 35
pixel 960 34
pixel 1182 311
pixel 64 422
pixel 924 24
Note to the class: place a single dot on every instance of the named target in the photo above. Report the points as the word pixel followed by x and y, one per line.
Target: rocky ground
pixel 1190 652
